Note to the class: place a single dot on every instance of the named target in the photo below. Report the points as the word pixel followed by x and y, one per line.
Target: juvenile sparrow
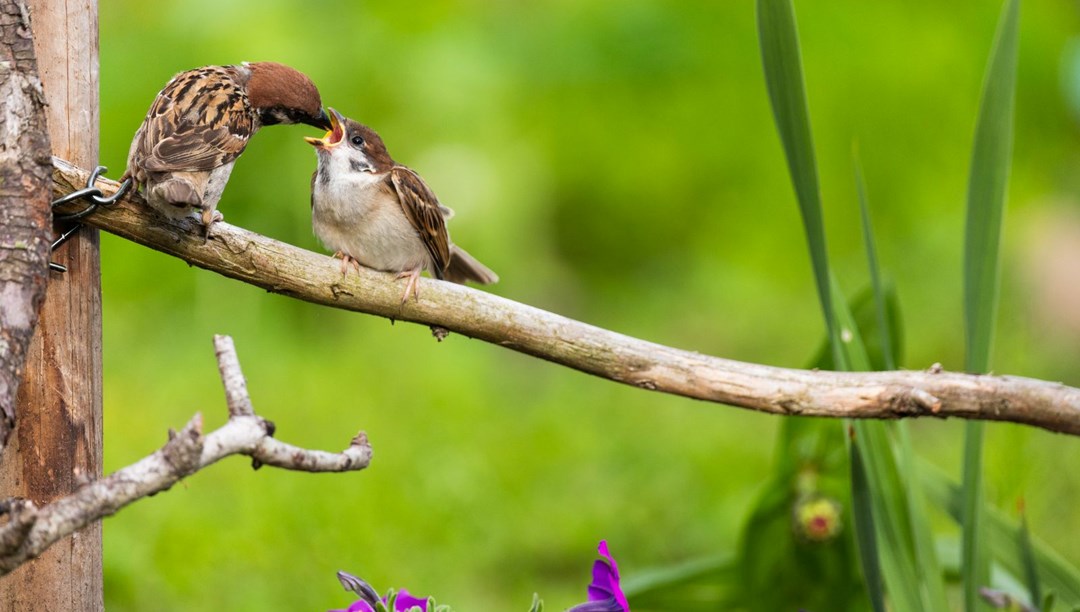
pixel 201 121
pixel 376 212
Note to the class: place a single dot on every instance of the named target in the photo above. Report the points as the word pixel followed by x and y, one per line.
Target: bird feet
pixel 346 261
pixel 210 216
pixel 412 287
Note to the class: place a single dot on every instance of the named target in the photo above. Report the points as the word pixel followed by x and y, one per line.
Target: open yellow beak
pixel 334 136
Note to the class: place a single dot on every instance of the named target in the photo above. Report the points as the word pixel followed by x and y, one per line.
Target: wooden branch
pixel 30 529
pixel 25 193
pixel 289 270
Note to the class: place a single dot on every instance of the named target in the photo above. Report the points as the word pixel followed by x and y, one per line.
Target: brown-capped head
pixel 361 144
pixel 281 94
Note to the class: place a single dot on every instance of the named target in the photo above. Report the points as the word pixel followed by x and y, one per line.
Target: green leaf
pixel 987 183
pixel 922 537
pixel 975 561
pixel 865 530
pixel 537 604
pixel 782 61
pixel 1027 557
pixel 887 495
pixel 885 333
pixel 911 585
pixel 710 583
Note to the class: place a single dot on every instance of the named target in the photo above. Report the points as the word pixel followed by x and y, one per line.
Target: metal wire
pixel 92 193
pixel 96 198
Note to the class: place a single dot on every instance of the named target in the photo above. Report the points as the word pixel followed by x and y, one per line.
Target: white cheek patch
pixel 360 165
pixel 344 175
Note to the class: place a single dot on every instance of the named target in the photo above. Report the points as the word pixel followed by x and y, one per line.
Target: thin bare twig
pixel 295 272
pixel 30 530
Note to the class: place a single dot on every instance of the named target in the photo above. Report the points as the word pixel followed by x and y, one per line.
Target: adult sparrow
pixel 376 212
pixel 201 121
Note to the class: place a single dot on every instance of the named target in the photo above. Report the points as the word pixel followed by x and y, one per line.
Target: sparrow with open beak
pixel 197 126
pixel 376 212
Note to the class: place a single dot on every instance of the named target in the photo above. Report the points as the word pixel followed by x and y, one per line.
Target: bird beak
pixel 322 121
pixel 333 137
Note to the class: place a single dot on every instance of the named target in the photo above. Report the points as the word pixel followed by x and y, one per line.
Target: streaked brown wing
pixel 200 121
pixel 424 212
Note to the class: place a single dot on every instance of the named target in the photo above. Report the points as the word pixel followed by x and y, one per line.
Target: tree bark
pixel 57 444
pixel 25 192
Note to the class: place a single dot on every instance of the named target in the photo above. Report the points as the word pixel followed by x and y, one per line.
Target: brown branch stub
pixel 30 530
pixel 295 272
pixel 25 190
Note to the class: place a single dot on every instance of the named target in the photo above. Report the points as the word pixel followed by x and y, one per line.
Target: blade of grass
pixel 987 182
pixel 974 560
pixel 665 579
pixel 906 583
pixel 862 508
pixel 782 61
pixel 1027 557
pixel 985 210
pixel 708 583
pixel 919 524
pixel 875 271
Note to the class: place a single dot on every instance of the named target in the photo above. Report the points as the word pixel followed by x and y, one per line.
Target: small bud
pixel 817 519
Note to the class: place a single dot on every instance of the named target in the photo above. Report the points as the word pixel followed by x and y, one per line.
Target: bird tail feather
pixel 464 267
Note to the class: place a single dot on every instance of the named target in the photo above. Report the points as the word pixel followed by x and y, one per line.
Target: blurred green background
pixel 614 162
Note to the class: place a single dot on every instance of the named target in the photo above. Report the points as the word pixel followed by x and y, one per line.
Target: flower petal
pixel 406 602
pixel 605 583
pixel 605 605
pixel 357 606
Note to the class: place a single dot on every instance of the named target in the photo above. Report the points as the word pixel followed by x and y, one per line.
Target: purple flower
pixel 368 597
pixel 605 595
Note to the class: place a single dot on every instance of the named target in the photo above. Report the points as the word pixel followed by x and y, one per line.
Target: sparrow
pixel 197 126
pixel 375 212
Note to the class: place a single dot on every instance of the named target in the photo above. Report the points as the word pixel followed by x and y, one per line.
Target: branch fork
pixel 30 529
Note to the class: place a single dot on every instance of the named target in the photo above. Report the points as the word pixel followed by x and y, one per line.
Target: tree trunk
pixel 57 441
pixel 25 193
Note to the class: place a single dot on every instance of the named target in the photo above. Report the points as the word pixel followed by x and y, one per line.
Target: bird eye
pixel 357 140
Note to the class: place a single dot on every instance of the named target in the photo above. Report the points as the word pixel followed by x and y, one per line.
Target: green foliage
pixel 891 540
pixel 613 162
pixel 812 452
pixel 990 160
pixel 779 565
pixel 1027 557
pixel 1055 574
pixel 933 588
pixel 709 583
pixel 782 61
